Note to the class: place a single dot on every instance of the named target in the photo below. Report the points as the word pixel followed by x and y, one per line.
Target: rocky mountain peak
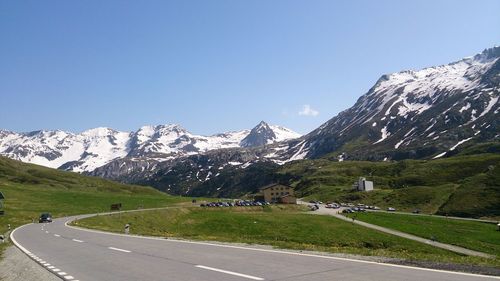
pixel 488 54
pixel 261 134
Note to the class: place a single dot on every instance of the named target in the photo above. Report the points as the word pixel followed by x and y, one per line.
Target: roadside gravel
pixel 16 266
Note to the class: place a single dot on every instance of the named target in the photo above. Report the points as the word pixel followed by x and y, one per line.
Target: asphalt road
pixel 77 254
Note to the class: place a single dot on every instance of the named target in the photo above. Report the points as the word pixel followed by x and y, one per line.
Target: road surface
pixel 78 254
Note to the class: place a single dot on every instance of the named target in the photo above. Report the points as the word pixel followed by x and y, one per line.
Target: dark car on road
pixel 45 217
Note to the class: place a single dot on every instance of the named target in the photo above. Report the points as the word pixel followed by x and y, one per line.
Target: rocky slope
pixel 428 113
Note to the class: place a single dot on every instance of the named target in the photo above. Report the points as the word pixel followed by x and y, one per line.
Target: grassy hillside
pixel 474 235
pixel 31 189
pixel 462 185
pixel 279 226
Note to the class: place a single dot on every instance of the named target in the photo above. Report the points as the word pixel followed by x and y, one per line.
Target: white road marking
pixel 230 272
pixel 278 252
pixel 76 240
pixel 118 249
pixel 46 231
pixel 62 273
pixel 33 256
pixel 57 235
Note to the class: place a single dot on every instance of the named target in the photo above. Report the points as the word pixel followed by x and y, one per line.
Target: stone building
pixel 278 193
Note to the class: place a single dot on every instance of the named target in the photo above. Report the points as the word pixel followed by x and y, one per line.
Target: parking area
pixel 237 203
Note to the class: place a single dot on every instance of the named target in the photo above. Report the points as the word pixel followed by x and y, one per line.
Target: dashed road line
pixel 118 249
pixel 229 272
pixel 76 240
pixel 57 235
pixel 69 220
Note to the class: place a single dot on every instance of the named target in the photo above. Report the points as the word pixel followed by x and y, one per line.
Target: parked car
pixel 45 217
pixel 313 207
pixel 416 211
pixel 391 209
pixel 376 208
pixel 347 211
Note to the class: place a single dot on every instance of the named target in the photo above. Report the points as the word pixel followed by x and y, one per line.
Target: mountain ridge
pixel 93 148
pixel 460 93
pixel 429 113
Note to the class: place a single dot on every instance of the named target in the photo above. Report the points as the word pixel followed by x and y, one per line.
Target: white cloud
pixel 307 110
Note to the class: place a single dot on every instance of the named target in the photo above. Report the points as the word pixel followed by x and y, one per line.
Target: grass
pixel 30 190
pixel 465 186
pixel 280 226
pixel 473 235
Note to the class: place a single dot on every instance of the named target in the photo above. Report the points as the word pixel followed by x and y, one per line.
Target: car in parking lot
pixel 313 207
pixel 359 209
pixel 332 206
pixel 45 217
pixel 391 209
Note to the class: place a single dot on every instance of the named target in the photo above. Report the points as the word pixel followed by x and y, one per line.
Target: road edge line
pixel 272 251
pixel 26 252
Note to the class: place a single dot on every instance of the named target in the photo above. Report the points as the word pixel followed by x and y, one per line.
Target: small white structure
pixel 363 185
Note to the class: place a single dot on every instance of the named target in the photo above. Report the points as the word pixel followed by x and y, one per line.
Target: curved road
pixel 79 254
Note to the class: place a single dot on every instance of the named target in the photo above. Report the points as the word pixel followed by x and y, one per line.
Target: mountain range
pixel 414 114
pixel 86 151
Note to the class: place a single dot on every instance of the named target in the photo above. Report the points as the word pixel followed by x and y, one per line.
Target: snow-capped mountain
pixel 264 134
pixel 94 148
pixel 411 114
pixel 430 113
pixel 416 114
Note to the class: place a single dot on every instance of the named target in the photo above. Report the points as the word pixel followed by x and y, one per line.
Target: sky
pixel 216 66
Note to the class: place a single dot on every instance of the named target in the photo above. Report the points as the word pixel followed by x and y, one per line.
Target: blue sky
pixel 214 66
